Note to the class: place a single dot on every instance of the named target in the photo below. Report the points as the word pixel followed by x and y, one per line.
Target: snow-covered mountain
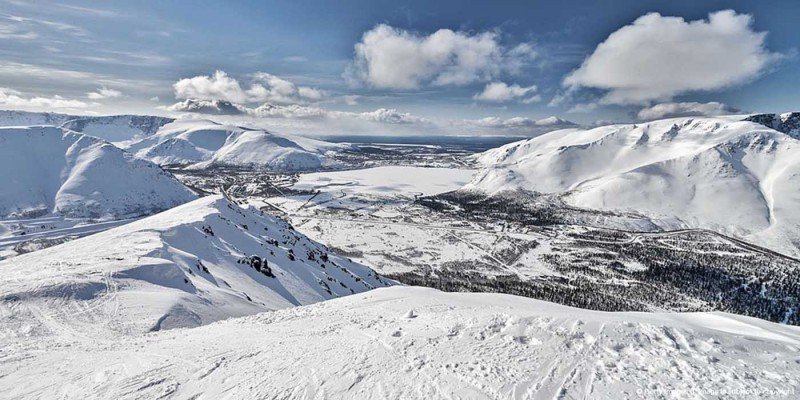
pixel 27 118
pixel 736 177
pixel 193 264
pixel 214 107
pixel 53 170
pixel 788 123
pixel 404 343
pixel 113 128
pixel 118 128
pixel 204 143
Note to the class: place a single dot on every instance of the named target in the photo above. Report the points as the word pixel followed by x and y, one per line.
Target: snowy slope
pixel 53 170
pixel 113 128
pixel 203 143
pixel 733 176
pixel 404 343
pixel 188 266
pixel 118 128
pixel 26 118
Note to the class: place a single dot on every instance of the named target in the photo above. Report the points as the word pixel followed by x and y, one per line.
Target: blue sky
pixel 422 67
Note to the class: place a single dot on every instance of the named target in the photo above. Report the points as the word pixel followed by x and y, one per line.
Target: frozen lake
pixel 389 180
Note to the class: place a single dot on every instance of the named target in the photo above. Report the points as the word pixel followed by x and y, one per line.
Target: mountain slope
pixel 196 263
pixel 406 342
pixel 113 128
pixel 52 170
pixel 736 177
pixel 118 128
pixel 27 118
pixel 203 143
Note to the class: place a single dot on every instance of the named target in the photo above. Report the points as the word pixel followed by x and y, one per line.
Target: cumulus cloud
pixel 381 115
pixel 389 116
pixel 658 57
pixel 269 110
pixel 519 122
pixel 216 107
pixel 500 92
pixel 392 58
pixel 263 87
pixel 14 99
pixel 294 111
pixel 685 109
pixel 104 93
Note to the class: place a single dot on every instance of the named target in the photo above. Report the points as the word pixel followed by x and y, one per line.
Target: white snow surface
pixel 388 180
pixel 180 268
pixel 53 170
pixel 736 177
pixel 118 129
pixel 409 343
pixel 204 143
pixel 26 118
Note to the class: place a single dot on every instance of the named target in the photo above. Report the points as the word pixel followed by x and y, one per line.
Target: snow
pixel 187 266
pixel 53 170
pixel 204 143
pixel 733 176
pixel 406 342
pixel 388 180
pixel 117 128
pixel 113 128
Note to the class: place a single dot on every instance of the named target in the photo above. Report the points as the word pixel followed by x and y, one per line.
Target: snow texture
pixel 53 170
pixel 191 265
pixel 405 342
pixel 737 177
pixel 203 144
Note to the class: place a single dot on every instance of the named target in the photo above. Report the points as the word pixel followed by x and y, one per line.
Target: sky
pixel 390 67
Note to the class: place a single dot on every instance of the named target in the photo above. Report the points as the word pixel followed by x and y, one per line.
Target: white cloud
pixel 14 99
pixel 17 27
pixel 658 57
pixel 381 115
pixel 685 109
pixel 310 93
pixel 104 93
pixel 295 111
pixel 263 87
pixel 295 59
pixel 351 100
pixel 499 92
pixel 392 58
pixel 388 116
pixel 217 107
pixel 290 111
pixel 518 122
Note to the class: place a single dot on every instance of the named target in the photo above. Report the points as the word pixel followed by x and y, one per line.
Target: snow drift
pixel 415 343
pixel 736 177
pixel 197 263
pixel 52 170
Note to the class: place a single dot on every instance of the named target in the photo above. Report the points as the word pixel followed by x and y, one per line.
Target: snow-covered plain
pixel 387 180
pixel 406 342
pixel 49 170
pixel 736 177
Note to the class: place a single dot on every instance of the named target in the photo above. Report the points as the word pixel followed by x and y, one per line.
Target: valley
pixel 411 221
